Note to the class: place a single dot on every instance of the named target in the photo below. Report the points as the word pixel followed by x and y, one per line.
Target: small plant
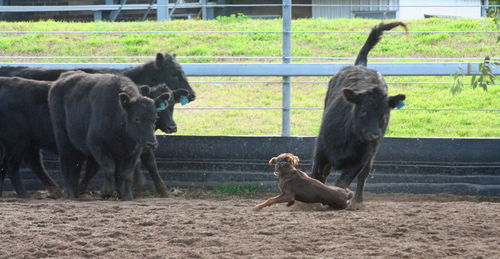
pixel 232 18
pixel 232 188
pixel 486 76
pixel 483 80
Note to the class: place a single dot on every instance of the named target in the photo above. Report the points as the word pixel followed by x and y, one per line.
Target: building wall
pixel 71 16
pixel 395 8
pixel 267 11
pixel 347 11
pixel 261 12
pixel 419 12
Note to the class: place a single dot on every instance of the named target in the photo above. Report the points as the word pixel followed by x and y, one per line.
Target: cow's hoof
pixel 106 194
pixel 55 193
pixel 24 196
pixel 163 193
pixel 85 196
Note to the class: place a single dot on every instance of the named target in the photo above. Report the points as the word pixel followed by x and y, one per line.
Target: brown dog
pixel 297 185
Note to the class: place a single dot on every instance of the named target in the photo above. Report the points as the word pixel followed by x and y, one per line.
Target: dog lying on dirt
pixel 297 185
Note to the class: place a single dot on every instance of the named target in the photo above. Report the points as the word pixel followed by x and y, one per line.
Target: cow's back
pixel 32 73
pixel 24 111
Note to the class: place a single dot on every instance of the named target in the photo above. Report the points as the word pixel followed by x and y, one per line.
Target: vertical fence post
pixel 287 53
pixel 203 9
pixel 162 12
pixel 484 8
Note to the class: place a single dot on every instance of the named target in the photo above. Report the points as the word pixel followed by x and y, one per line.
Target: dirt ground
pixel 197 224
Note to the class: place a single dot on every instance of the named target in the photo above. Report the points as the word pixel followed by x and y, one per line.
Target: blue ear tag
pixel 161 108
pixel 184 100
pixel 400 105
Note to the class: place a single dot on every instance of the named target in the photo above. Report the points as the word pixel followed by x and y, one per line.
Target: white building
pixel 396 9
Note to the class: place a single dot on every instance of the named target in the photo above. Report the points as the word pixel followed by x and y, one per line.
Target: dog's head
pixel 285 160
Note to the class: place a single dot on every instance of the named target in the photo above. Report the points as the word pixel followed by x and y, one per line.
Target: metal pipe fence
pixel 286 70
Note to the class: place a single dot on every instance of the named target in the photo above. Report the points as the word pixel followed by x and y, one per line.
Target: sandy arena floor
pixel 197 224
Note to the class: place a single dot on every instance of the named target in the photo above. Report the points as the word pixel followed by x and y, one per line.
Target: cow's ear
pixel 174 55
pixel 163 98
pixel 179 93
pixel 350 96
pixel 393 101
pixel 145 90
pixel 160 59
pixel 124 99
pixel 273 161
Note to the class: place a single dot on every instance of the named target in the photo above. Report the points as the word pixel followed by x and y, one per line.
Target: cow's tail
pixel 2 153
pixel 374 38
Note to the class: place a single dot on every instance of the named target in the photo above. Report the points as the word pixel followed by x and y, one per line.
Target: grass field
pixel 248 92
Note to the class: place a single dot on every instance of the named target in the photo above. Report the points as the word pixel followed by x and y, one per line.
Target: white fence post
pixel 162 13
pixel 287 53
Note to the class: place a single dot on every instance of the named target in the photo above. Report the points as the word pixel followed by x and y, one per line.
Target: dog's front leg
pixel 278 199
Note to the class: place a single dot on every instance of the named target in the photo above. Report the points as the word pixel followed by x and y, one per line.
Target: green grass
pixel 306 95
pixel 403 123
pixel 232 188
pixel 251 44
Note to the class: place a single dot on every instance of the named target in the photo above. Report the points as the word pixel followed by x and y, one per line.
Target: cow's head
pixel 165 69
pixel 371 111
pixel 165 107
pixel 140 120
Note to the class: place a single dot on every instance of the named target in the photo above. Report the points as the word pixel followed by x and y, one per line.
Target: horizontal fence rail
pixel 114 7
pixel 223 32
pixel 238 69
pixel 244 57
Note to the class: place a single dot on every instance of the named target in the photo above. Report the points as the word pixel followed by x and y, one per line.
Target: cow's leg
pixel 352 170
pixel 106 164
pixel 149 161
pixel 71 163
pixel 70 158
pixel 358 198
pixel 15 179
pixel 125 176
pixel 2 169
pixel 107 168
pixel 139 180
pixel 34 162
pixel 91 169
pixel 2 179
pixel 321 166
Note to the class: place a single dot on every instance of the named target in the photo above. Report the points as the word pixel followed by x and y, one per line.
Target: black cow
pixel 165 123
pixel 103 117
pixel 355 118
pixel 25 127
pixel 2 171
pixel 164 69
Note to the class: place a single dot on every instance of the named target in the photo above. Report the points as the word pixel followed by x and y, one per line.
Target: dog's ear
pixel 295 160
pixel 291 159
pixel 273 161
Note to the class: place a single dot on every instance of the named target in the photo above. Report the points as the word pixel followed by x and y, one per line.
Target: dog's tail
pixel 374 38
